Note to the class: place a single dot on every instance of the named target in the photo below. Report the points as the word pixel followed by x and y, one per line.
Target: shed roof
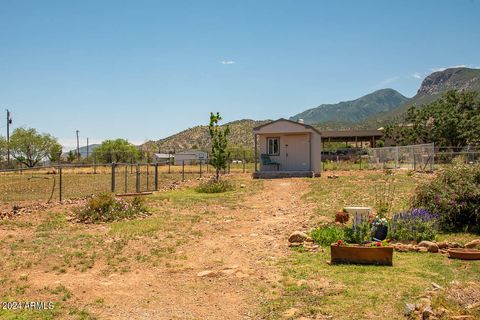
pixel 306 126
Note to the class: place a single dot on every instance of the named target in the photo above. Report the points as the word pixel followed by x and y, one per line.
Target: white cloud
pixel 445 68
pixel 227 62
pixel 417 75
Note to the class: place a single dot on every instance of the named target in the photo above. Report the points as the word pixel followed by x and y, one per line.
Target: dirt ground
pixel 222 272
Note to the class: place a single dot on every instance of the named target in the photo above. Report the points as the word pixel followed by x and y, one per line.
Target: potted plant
pixel 379 227
pixel 362 251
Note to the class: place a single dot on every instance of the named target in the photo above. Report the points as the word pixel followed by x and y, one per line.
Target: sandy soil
pixel 224 271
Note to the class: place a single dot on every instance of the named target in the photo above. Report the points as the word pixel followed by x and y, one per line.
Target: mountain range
pixel 367 112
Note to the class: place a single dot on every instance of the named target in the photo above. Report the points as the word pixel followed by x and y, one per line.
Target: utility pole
pixel 78 148
pixel 9 122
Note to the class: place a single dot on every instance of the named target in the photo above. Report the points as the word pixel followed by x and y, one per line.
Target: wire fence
pixel 74 181
pixel 419 157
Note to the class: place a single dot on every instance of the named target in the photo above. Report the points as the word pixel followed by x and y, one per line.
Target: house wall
pixel 296 151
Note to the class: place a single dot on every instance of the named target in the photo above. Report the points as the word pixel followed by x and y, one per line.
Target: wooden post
pixel 243 162
pixel 255 152
pixel 183 170
pixel 60 186
pixel 148 178
pixel 200 168
pixel 137 182
pixel 126 178
pixel 156 176
pixel 113 177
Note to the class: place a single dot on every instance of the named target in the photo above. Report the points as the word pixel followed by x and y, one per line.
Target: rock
pixel 243 185
pixel 442 245
pixel 436 286
pixel 473 244
pixel 409 309
pixel 427 313
pixel 206 273
pixel 453 245
pixel 290 313
pixel 421 249
pixel 298 236
pixel 295 244
pixel 431 246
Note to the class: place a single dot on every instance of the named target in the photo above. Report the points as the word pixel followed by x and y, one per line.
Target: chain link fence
pixel 419 157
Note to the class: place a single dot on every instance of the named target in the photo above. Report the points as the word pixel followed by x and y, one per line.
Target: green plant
pixel 327 235
pixel 106 207
pixel 384 195
pixel 455 196
pixel 360 232
pixel 416 225
pixel 215 186
pixel 220 153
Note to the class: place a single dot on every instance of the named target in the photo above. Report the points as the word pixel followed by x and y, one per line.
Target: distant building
pixel 190 157
pixel 163 158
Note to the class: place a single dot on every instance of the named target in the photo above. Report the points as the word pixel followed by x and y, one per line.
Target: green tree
pixel 29 147
pixel 71 156
pixel 118 150
pixel 219 154
pixel 3 148
pixel 453 120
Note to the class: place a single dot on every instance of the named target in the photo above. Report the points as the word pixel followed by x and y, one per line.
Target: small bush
pixel 361 230
pixel 214 186
pixel 105 207
pixel 414 225
pixel 327 235
pixel 455 196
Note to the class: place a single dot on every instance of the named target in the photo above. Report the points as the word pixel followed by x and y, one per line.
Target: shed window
pixel 273 146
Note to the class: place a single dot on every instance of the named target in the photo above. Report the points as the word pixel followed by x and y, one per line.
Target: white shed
pixel 286 148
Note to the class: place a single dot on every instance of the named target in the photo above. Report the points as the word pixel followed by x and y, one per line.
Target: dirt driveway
pixel 222 274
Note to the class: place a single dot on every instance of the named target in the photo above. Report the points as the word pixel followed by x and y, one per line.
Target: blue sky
pixel 147 69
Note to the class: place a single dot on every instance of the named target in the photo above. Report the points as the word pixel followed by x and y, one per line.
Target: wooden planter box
pixel 361 255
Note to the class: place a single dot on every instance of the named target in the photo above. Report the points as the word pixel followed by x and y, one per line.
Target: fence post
pixel 95 164
pixel 228 166
pixel 156 176
pixel 183 170
pixel 137 180
pixel 126 178
pixel 148 178
pixel 200 168
pixel 243 162
pixel 60 184
pixel 169 163
pixel 113 177
pixel 396 158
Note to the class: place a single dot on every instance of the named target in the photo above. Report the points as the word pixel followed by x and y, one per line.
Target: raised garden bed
pixel 381 256
pixel 464 254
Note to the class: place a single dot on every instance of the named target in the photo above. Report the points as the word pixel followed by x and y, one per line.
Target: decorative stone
pixel 431 246
pixel 473 244
pixel 298 236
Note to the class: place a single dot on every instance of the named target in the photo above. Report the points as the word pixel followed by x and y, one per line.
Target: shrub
pixel 360 232
pixel 327 235
pixel 455 196
pixel 416 225
pixel 105 207
pixel 214 186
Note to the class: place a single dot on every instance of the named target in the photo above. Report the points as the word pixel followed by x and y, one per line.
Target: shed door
pixel 297 152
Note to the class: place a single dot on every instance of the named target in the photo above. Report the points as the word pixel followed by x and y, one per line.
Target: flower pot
pixel 342 217
pixel 380 233
pixel 464 254
pixel 361 255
